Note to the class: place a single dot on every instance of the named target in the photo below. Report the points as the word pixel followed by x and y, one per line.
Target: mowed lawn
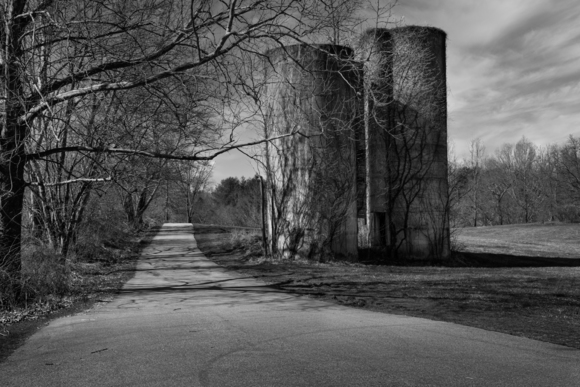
pixel 536 297
pixel 558 240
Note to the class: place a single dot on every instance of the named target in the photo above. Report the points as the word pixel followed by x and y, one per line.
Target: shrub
pixel 102 234
pixel 243 238
pixel 44 275
pixel 44 272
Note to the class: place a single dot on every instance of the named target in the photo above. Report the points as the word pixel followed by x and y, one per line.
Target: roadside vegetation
pixel 537 300
pixel 101 260
pixel 104 252
pixel 52 291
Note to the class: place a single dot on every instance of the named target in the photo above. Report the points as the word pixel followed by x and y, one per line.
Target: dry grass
pixel 56 291
pixel 541 303
pixel 558 240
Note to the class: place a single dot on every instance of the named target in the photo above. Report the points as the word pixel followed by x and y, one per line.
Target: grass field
pixel 550 240
pixel 535 299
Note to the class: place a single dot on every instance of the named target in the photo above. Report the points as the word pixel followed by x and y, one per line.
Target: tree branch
pixel 158 155
pixel 79 180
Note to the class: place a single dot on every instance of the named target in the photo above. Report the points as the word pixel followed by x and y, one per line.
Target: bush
pixel 102 235
pixel 44 275
pixel 44 272
pixel 8 298
pixel 240 238
pixel 249 240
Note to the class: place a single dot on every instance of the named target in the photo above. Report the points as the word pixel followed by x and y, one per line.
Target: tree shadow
pixel 466 259
pixel 469 259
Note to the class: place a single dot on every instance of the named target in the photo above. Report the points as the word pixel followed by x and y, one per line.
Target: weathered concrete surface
pixel 183 321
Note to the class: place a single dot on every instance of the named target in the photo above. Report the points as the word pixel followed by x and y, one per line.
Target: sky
pixel 513 70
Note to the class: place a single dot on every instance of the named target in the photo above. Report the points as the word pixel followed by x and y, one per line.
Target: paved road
pixel 183 321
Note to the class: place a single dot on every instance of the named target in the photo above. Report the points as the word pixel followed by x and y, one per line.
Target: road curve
pixel 184 321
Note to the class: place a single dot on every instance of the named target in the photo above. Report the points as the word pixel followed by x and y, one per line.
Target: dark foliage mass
pixel 233 202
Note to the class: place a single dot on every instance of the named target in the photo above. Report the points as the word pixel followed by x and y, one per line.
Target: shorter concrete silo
pixel 310 93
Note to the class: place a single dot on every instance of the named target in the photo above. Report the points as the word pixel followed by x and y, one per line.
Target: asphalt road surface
pixel 184 321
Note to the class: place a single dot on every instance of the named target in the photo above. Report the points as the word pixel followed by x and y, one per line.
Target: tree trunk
pixel 167 201
pixel 12 134
pixel 11 199
pixel 35 211
pixel 128 207
pixel 11 203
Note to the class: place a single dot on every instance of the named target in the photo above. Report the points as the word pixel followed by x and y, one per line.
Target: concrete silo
pixel 310 91
pixel 406 141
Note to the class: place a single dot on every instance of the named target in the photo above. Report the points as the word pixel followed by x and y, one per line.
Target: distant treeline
pixel 233 202
pixel 519 183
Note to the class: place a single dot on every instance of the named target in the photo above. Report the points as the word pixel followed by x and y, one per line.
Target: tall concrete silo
pixel 406 141
pixel 311 93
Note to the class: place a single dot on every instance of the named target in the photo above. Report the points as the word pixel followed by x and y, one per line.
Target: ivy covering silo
pixel 310 94
pixel 406 141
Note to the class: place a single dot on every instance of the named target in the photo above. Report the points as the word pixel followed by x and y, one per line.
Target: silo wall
pixel 310 93
pixel 406 110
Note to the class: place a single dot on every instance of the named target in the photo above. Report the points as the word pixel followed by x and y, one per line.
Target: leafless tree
pixel 193 179
pixel 569 166
pixel 476 160
pixel 520 163
pixel 61 184
pixel 523 183
pixel 56 51
pixel 497 184
pixel 309 90
pixel 567 177
pixel 405 118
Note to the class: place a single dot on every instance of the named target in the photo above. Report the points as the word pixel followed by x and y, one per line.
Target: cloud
pixel 513 67
pixel 513 70
pixel 467 22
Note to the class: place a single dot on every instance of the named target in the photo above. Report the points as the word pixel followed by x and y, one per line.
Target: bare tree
pixel 476 161
pixel 497 184
pixel 310 90
pixel 405 137
pixel 56 51
pixel 168 117
pixel 137 185
pixel 192 179
pixel 61 184
pixel 458 188
pixel 570 166
pixel 568 177
pixel 520 166
pixel 523 183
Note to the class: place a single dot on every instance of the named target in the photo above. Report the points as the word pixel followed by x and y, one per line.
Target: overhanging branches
pixel 197 156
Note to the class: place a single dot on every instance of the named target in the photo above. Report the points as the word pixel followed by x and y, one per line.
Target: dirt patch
pixel 541 303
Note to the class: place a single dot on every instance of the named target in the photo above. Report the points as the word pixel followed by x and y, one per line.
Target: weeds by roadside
pixel 247 240
pixel 44 278
pixel 49 283
pixel 54 292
